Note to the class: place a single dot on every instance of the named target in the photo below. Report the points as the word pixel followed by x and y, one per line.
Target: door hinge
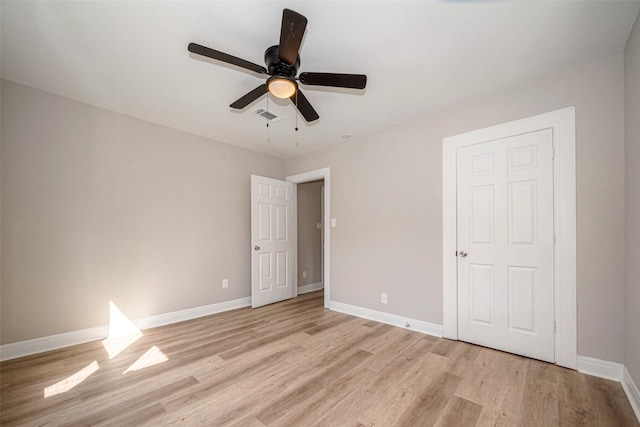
pixel 553 152
pixel 554 240
pixel 554 326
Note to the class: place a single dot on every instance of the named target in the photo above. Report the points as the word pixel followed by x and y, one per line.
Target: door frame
pixel 562 123
pixel 301 178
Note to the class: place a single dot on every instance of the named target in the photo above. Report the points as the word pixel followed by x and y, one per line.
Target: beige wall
pixel 99 207
pixel 632 126
pixel 387 199
pixel 309 237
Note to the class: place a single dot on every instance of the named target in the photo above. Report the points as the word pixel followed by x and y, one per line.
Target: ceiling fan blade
pixel 250 97
pixel 224 57
pixel 302 103
pixel 293 26
pixel 353 81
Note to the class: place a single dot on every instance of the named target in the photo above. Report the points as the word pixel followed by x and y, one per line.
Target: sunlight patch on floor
pixel 122 332
pixel 153 356
pixel 71 381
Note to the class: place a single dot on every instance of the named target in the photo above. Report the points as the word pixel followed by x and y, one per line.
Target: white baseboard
pixel 389 319
pixel 53 342
pixel 191 313
pixel 312 287
pixel 600 368
pixel 631 390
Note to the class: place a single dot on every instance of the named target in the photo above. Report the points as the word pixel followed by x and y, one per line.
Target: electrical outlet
pixel 304 274
pixel 383 297
pixel 225 283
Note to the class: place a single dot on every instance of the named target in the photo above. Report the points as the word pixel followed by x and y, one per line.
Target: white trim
pixel 191 313
pixel 631 390
pixel 600 368
pixel 322 232
pixel 294 234
pixel 311 287
pixel 325 174
pixel 562 122
pixel 53 342
pixel 390 319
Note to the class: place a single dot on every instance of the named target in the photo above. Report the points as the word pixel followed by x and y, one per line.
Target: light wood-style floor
pixel 296 364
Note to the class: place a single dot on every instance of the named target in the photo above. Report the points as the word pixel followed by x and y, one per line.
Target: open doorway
pixel 299 179
pixel 310 200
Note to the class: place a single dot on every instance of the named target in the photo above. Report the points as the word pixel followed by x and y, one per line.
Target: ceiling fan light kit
pixel 282 62
pixel 281 87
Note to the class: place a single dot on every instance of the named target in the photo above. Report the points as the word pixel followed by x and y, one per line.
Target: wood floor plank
pixel 459 412
pixel 146 415
pixel 431 401
pixel 298 395
pixel 380 390
pixel 612 407
pixel 393 403
pixel 296 363
pixel 227 380
pixel 486 376
pixel 37 408
pixel 392 349
pixel 324 400
pixel 430 366
pixel 223 407
pixel 461 357
pixel 128 407
pixel 508 414
pixel 257 343
pixel 540 398
pixel 576 406
pixel 247 421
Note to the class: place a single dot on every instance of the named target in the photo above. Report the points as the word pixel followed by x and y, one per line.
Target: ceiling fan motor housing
pixel 276 67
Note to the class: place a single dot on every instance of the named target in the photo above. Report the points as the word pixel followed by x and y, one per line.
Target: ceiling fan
pixel 282 63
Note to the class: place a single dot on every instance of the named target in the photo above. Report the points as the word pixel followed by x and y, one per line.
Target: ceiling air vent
pixel 262 112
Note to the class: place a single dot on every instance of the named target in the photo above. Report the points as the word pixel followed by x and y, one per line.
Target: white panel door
pixel 505 244
pixel 271 238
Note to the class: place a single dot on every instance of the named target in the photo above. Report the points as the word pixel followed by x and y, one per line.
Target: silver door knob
pixel 256 247
pixel 462 254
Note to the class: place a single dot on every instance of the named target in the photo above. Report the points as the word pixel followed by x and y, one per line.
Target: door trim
pixel 562 123
pixel 301 178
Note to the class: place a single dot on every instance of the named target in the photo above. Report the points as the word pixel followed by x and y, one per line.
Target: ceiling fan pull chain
pixel 267 119
pixel 296 111
pixel 296 134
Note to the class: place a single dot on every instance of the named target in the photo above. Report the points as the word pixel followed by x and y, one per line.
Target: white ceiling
pixel 132 57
